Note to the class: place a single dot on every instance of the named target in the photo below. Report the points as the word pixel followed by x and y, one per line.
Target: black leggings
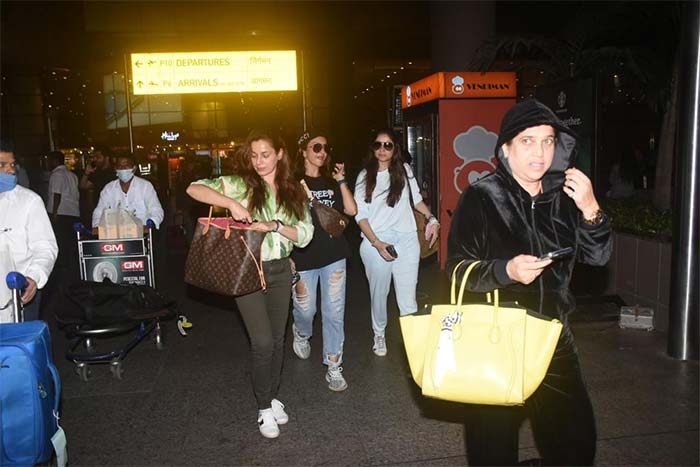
pixel 560 413
pixel 265 317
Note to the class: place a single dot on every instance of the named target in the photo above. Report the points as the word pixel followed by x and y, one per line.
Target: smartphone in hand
pixel 392 251
pixel 557 254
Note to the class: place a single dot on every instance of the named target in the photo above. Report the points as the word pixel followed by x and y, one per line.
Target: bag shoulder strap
pixel 303 184
pixel 258 265
pixel 410 192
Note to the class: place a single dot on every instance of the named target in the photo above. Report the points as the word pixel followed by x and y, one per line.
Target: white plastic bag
pixel 119 223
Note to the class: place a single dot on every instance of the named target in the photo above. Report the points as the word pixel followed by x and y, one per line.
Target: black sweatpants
pixel 265 317
pixel 560 413
pixel 67 264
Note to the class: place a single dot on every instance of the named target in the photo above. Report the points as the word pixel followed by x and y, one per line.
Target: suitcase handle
pixel 16 282
pixel 57 390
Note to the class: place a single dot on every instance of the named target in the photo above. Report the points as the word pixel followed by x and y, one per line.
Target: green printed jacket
pixel 275 245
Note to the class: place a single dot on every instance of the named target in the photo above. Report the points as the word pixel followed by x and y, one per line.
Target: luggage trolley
pixel 127 261
pixel 122 261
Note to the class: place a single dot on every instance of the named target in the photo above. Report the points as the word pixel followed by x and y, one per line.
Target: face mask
pixel 7 182
pixel 125 175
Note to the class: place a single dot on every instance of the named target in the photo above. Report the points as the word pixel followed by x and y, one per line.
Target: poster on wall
pixel 572 101
pixel 468 133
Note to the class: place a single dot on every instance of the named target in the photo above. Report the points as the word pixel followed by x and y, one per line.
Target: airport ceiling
pixel 72 33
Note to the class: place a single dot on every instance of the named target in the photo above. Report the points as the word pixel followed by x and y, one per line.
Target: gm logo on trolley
pixel 116 247
pixel 112 248
pixel 134 265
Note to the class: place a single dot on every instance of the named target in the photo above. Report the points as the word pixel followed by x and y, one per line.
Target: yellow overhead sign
pixel 197 72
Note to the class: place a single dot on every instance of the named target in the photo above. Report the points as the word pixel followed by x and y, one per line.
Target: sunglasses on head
pixel 388 145
pixel 318 146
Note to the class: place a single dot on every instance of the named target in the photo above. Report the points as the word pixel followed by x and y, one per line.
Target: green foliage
pixel 639 217
pixel 600 38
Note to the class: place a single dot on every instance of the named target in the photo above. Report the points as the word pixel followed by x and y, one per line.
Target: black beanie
pixel 532 112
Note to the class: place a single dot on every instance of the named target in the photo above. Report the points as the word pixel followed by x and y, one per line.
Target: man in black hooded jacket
pixel 534 203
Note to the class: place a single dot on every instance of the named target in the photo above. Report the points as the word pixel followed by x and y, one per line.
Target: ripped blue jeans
pixel 332 281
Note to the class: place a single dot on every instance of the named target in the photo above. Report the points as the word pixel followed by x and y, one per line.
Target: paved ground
pixel 192 404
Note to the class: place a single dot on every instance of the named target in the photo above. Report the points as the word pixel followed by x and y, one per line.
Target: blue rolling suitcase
pixel 30 391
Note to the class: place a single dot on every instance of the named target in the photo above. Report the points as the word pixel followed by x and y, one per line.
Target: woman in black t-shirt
pixel 323 260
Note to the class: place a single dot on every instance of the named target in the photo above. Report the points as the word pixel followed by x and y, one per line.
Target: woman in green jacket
pixel 263 193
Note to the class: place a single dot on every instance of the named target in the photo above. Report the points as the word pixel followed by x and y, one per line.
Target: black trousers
pixel 67 265
pixel 31 309
pixel 265 316
pixel 560 413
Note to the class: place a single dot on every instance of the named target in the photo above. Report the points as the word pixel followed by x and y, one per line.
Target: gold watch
pixel 597 218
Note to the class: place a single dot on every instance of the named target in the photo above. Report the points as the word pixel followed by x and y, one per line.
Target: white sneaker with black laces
pixel 267 424
pixel 301 345
pixel 335 379
pixel 281 416
pixel 379 346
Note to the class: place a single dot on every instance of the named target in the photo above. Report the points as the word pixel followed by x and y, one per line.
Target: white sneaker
pixel 267 424
pixel 379 347
pixel 281 416
pixel 301 345
pixel 334 377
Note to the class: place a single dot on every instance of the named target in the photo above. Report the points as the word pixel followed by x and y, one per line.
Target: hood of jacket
pixel 527 114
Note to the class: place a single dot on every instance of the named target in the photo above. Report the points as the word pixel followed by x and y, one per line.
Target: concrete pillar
pixel 458 29
pixel 684 312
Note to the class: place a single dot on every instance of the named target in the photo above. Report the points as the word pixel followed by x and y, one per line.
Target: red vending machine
pixel 451 122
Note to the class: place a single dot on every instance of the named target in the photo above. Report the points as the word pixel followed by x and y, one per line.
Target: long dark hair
pixel 303 145
pixel 397 174
pixel 290 196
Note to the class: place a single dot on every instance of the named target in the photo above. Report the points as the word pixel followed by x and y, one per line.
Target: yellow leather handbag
pixel 479 353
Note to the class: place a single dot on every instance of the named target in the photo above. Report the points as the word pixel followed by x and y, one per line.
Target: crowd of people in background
pixel 66 198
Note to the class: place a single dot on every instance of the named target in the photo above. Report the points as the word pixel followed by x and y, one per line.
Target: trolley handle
pixel 80 230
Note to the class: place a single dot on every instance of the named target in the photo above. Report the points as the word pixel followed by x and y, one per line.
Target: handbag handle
pixel 453 290
pixel 227 234
pixel 494 332
pixel 463 285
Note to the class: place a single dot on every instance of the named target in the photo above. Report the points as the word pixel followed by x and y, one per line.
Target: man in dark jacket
pixel 534 203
